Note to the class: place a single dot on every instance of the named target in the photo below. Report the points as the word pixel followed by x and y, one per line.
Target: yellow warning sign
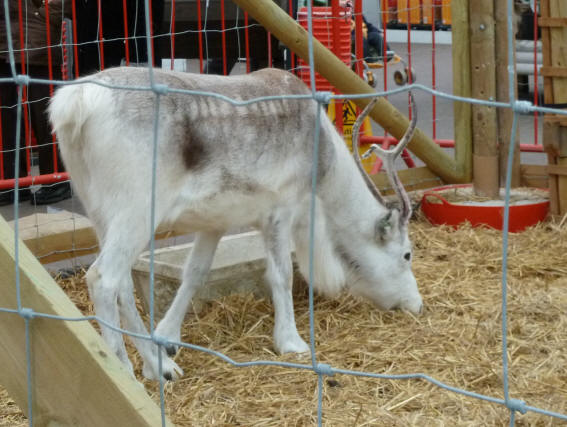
pixel 349 117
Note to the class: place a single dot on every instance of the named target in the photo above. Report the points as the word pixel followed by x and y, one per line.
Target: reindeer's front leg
pixel 195 274
pixel 279 272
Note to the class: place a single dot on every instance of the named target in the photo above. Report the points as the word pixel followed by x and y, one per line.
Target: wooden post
pixel 277 22
pixel 462 86
pixel 505 116
pixel 483 86
pixel 76 380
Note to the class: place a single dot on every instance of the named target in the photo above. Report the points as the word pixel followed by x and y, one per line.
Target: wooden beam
pixel 552 22
pixel 505 116
pixel 557 170
pixel 76 379
pixel 282 26
pixel 462 117
pixel 546 50
pixel 551 137
pixel 534 176
pixel 483 86
pixel 66 235
pixel 413 179
pixel 554 71
pixel 53 237
pixel 556 118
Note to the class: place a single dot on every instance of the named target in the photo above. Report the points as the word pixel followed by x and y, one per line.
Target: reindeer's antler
pixel 356 154
pixel 388 157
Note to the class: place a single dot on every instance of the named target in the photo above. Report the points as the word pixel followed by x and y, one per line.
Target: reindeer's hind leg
pixel 104 279
pixel 111 289
pixel 279 274
pixel 148 350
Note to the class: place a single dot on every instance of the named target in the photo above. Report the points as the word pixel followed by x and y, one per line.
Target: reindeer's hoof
pixel 170 370
pixel 292 344
pixel 173 335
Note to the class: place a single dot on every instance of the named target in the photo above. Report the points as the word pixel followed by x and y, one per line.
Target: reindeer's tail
pixel 67 114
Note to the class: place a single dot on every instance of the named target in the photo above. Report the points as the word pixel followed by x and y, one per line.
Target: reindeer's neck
pixel 344 192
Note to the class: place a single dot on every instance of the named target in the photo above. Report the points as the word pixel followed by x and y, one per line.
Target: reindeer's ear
pixel 387 226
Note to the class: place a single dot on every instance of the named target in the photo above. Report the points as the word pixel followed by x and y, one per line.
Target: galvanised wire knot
pixel 27 313
pixel 522 107
pixel 22 80
pixel 323 97
pixel 517 405
pixel 323 369
pixel 160 89
pixel 161 341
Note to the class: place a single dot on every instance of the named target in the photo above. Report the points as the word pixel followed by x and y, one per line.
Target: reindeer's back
pixel 206 145
pixel 196 129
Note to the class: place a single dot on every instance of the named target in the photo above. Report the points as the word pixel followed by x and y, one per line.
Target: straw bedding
pixel 456 340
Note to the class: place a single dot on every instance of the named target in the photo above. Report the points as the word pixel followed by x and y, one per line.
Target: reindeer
pixel 221 166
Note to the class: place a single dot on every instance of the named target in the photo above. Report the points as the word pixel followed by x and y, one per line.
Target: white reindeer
pixel 221 166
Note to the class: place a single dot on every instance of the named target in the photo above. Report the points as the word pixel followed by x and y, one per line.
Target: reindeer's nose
pixel 414 307
pixel 418 311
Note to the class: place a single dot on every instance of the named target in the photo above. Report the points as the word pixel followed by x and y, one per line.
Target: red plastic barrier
pixel 333 33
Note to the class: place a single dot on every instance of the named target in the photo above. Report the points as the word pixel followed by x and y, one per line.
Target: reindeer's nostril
pixel 412 307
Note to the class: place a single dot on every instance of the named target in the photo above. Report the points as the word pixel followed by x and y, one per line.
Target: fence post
pixel 483 86
pixel 505 116
pixel 462 86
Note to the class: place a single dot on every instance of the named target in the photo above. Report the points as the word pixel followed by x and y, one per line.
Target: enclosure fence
pixel 514 404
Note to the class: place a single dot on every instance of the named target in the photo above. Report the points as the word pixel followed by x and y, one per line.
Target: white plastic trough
pixel 238 267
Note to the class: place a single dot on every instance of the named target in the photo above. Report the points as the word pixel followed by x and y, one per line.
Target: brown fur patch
pixel 193 148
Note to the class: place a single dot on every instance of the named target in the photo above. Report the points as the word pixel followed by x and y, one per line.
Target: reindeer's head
pixel 381 270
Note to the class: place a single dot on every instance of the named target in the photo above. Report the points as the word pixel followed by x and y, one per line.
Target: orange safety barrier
pixel 446 12
pixel 390 9
pixel 429 11
pixel 409 10
pixel 416 12
pixel 327 29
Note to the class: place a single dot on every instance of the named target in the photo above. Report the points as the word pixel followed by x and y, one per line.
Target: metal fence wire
pixel 322 370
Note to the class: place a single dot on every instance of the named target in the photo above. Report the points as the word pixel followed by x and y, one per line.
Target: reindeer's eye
pixel 407 256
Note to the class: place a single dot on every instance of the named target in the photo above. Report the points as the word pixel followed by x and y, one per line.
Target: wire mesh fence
pixel 322 370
